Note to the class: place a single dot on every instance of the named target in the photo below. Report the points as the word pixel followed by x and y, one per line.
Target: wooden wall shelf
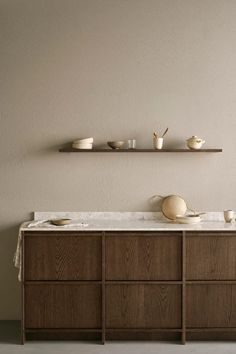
pixel 138 150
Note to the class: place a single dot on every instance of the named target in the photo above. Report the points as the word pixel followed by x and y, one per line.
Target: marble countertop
pixel 129 225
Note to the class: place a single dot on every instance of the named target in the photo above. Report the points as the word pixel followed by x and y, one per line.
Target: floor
pixel 10 336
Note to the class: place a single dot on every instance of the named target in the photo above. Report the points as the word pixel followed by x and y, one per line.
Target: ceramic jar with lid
pixel 195 143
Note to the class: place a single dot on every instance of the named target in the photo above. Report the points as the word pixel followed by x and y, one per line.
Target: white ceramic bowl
pixel 85 140
pixel 115 144
pixel 82 146
pixel 188 219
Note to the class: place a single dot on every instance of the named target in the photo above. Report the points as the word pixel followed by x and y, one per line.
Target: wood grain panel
pixel 143 306
pixel 211 306
pixel 63 306
pixel 132 257
pixel 211 257
pixel 63 257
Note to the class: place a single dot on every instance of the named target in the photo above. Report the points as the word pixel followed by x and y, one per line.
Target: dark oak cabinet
pixel 211 257
pixel 129 285
pixel 63 257
pixel 211 306
pixel 63 306
pixel 143 306
pixel 144 257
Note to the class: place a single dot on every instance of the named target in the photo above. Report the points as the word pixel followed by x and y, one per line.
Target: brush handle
pixel 165 132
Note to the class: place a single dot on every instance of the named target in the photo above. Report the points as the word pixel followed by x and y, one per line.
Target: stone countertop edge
pixel 127 221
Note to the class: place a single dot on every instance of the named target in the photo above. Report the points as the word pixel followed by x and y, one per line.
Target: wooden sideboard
pixel 129 285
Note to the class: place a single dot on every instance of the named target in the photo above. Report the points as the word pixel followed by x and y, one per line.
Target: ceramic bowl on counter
pixel 60 222
pixel 188 219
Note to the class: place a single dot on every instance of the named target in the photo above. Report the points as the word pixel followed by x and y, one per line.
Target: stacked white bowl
pixel 86 143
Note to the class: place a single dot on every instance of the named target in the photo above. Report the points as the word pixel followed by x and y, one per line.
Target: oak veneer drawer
pixel 211 257
pixel 62 257
pixel 62 306
pixel 143 257
pixel 143 306
pixel 211 305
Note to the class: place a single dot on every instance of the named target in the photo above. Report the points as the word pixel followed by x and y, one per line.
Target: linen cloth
pixel 45 224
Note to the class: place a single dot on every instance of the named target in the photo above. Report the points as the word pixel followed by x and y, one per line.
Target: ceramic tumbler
pixel 228 215
pixel 158 143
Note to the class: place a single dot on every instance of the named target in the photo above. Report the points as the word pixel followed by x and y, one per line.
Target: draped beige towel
pixel 17 255
pixel 17 259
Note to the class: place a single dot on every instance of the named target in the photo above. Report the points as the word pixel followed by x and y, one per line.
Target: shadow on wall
pixel 155 203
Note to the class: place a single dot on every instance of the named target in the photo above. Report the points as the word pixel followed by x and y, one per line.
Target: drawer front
pixel 62 306
pixel 211 257
pixel 143 306
pixel 211 305
pixel 144 257
pixel 62 257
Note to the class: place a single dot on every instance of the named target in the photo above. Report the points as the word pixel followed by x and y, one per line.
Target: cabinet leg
pixel 22 339
pixel 103 289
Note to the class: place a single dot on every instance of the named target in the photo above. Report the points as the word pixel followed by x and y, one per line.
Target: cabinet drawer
pixel 211 305
pixel 211 257
pixel 143 306
pixel 62 306
pixel 143 257
pixel 62 257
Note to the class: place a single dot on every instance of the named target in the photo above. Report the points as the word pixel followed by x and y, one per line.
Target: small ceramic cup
pixel 158 143
pixel 228 215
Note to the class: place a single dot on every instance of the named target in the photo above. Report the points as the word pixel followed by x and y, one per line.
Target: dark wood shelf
pixel 138 150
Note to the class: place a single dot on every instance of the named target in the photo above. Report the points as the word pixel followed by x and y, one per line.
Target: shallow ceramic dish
pixel 115 144
pixel 60 222
pixel 188 219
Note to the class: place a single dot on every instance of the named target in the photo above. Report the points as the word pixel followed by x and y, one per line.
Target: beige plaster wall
pixel 111 69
